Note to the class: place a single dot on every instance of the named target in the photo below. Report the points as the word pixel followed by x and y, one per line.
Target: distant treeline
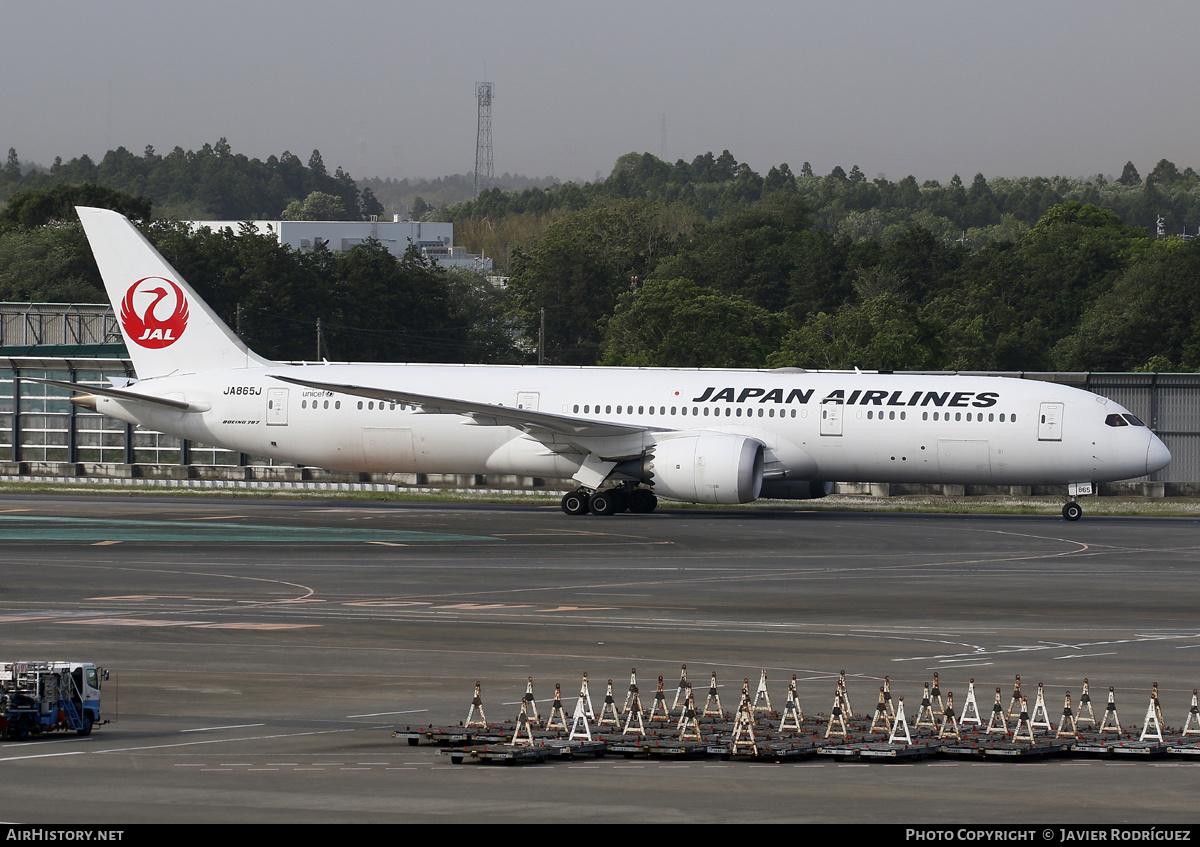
pixel 212 183
pixel 708 263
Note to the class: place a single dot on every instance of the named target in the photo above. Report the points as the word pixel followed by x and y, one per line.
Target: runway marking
pixel 150 622
pixel 56 528
pixel 387 603
pixel 263 628
pixel 381 714
pixel 45 755
pixel 232 726
pixel 1084 655
pixel 105 543
pixel 215 518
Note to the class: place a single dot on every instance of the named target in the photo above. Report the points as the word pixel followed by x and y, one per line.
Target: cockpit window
pixel 1116 420
pixel 1133 420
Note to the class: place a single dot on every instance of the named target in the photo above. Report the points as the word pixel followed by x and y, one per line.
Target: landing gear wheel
pixel 575 503
pixel 605 503
pixel 642 501
pixel 1072 511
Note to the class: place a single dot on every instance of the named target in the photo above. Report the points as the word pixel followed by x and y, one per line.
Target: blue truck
pixel 40 697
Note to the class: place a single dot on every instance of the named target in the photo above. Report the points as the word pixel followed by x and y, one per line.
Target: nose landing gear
pixel 1072 511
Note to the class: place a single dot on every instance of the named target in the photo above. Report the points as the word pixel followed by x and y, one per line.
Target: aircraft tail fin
pixel 167 328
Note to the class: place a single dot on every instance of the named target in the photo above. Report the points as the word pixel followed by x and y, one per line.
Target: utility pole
pixel 542 337
pixel 483 139
pixel 318 339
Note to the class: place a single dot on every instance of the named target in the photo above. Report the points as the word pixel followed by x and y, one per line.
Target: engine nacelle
pixel 795 489
pixel 707 468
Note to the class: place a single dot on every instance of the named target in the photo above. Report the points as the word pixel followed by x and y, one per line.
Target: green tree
pixel 35 208
pixel 12 167
pixel 580 266
pixel 317 206
pixel 1129 175
pixel 884 333
pixel 1164 174
pixel 1152 313
pixel 368 206
pixel 48 264
pixel 676 323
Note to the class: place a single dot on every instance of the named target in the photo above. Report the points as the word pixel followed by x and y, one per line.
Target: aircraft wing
pixel 483 414
pixel 116 393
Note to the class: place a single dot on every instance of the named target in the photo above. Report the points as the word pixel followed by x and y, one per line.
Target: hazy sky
pixel 926 87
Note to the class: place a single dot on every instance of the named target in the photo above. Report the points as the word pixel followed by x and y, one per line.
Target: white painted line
pixel 45 755
pixel 233 726
pixel 1083 656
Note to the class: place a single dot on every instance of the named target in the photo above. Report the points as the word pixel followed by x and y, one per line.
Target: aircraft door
pixel 527 400
pixel 277 401
pixel 831 417
pixel 388 448
pixel 1050 422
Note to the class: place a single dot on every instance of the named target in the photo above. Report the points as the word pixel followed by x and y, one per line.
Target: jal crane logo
pixel 146 326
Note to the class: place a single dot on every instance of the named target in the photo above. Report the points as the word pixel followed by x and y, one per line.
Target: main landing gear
pixel 640 501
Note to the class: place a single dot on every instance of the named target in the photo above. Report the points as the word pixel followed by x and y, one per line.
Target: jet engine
pixel 706 468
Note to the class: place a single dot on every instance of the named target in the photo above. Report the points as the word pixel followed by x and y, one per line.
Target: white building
pixel 434 240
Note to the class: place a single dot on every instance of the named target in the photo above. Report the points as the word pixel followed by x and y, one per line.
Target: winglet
pixel 167 328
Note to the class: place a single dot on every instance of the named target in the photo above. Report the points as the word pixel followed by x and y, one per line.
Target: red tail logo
pixel 144 326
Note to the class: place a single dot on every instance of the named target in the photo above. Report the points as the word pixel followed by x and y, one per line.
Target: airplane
pixel 625 436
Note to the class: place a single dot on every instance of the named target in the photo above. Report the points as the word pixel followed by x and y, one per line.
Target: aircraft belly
pixel 526 456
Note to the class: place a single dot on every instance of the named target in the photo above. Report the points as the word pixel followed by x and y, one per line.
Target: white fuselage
pixel 815 426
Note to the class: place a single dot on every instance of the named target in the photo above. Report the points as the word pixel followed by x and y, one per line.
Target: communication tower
pixel 483 139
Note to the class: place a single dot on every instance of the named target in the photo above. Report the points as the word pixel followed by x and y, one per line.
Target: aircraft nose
pixel 1157 454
